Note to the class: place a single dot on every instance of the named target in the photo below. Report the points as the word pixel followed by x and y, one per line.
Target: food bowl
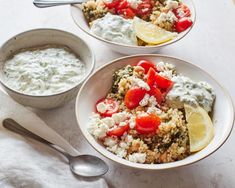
pixel 41 37
pixel 99 83
pixel 79 19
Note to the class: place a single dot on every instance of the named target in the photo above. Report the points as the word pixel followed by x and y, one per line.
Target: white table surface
pixel 210 44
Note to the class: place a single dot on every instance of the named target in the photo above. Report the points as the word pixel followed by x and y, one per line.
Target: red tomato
pixel 122 5
pixel 151 77
pixel 156 92
pixel 147 124
pixel 113 107
pixel 182 11
pixel 158 95
pixel 113 4
pixel 146 65
pixel 182 24
pixel 133 97
pixel 118 131
pixel 127 13
pixel 143 9
pixel 162 82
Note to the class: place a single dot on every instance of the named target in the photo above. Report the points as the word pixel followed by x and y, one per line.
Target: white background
pixel 210 44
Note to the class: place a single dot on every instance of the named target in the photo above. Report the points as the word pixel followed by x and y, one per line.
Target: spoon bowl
pixel 88 165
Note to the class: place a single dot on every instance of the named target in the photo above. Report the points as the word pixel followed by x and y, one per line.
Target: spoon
pixel 82 165
pixel 51 3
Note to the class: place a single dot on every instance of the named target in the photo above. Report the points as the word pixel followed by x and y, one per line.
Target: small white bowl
pixel 79 19
pixel 99 83
pixel 41 37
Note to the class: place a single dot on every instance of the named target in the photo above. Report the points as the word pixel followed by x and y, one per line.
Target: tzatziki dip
pixel 115 28
pixel 43 71
pixel 190 92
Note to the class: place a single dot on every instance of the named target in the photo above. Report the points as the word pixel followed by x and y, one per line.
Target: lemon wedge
pixel 200 127
pixel 151 33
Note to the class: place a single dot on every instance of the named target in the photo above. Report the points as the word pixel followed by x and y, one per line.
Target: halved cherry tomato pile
pixel 184 22
pixel 113 107
pixel 145 124
pixel 122 7
pixel 159 86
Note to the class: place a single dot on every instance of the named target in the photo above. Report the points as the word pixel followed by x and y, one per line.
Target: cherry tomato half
pixel 147 124
pixel 133 97
pixel 123 4
pixel 182 24
pixel 146 65
pixel 151 77
pixel 112 107
pixel 118 131
pixel 182 11
pixel 163 82
pixel 127 13
pixel 143 9
pixel 113 4
pixel 156 92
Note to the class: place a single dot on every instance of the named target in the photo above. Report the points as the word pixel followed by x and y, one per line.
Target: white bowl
pixel 99 83
pixel 79 19
pixel 41 37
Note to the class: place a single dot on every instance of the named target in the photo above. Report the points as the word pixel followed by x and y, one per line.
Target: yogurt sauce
pixel 115 28
pixel 187 91
pixel 43 71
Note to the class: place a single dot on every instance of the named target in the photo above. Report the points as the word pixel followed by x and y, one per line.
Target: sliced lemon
pixel 151 33
pixel 200 127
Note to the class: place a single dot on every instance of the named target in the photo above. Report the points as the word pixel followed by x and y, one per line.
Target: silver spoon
pixel 82 165
pixel 51 3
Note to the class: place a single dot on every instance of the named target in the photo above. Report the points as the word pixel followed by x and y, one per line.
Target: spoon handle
pixel 13 126
pixel 51 3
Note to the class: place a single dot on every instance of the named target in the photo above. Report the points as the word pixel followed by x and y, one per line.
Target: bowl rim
pixel 132 46
pixel 56 30
pixel 147 166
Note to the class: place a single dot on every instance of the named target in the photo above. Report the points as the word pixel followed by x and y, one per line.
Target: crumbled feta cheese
pixel 110 142
pixel 108 1
pixel 137 157
pixel 154 110
pixel 128 139
pixel 96 127
pixel 171 4
pixel 101 107
pixel 94 121
pixel 134 3
pixel 109 121
pixel 121 152
pixel 145 100
pixel 160 66
pixel 119 117
pixel 100 132
pixel 140 83
pixel 132 122
pixel 123 145
pixel 122 124
pixel 152 101
pixel 113 148
pixel 167 74
pixel 170 16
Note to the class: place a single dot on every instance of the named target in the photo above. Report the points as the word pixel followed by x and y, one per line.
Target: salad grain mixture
pixel 151 22
pixel 136 122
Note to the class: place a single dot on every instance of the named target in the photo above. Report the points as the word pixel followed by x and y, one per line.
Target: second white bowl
pixel 79 19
